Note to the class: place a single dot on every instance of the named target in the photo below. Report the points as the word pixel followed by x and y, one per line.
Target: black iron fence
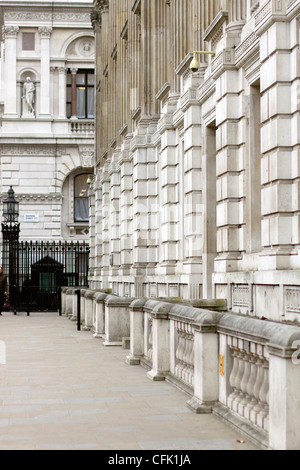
pixel 37 271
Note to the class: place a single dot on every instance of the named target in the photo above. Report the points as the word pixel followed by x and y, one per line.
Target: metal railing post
pixel 78 310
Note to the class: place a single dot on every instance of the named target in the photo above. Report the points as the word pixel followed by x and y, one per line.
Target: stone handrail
pixel 240 368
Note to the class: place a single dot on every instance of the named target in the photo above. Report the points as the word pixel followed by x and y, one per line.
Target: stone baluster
pixel 191 360
pixel 240 373
pixel 264 396
pixel 244 383
pixel 150 335
pixel 257 387
pixel 233 377
pixel 250 387
pixel 185 358
pixel 179 355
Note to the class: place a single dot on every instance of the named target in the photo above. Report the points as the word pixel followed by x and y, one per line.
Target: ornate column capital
pixel 10 31
pixel 101 6
pixel 45 31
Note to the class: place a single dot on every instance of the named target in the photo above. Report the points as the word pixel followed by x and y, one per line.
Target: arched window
pixel 81 199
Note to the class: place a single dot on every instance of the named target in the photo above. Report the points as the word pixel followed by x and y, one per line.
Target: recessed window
pixel 28 41
pixel 81 198
pixel 80 94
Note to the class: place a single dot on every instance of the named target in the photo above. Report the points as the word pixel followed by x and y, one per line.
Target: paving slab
pixel 62 389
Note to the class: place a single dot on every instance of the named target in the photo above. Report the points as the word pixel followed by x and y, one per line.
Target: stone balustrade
pixel 244 370
pixel 82 127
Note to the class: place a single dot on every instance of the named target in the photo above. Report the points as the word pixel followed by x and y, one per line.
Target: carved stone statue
pixel 28 97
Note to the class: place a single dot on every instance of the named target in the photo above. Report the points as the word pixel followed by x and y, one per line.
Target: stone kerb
pixel 117 320
pixel 99 314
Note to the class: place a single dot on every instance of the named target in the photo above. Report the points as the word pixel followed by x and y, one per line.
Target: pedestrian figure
pixel 3 289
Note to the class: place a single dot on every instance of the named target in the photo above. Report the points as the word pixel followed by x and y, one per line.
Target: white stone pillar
pixel 117 320
pixel 136 332
pixel 10 34
pixel 99 306
pixel 206 378
pixel 45 34
pixel 161 347
pixel 62 99
pixel 284 403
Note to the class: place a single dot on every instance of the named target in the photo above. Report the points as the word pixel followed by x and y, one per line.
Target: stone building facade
pixel 47 115
pixel 196 187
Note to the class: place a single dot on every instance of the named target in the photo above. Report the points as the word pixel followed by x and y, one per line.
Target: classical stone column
pixel 74 93
pixel 10 34
pixel 45 34
pixel 62 73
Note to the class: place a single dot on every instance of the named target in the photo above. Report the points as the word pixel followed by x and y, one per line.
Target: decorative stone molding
pixel 10 32
pixel 272 10
pixel 246 49
pixel 45 31
pixel 225 60
pixel 82 47
pixel 215 31
pixel 34 16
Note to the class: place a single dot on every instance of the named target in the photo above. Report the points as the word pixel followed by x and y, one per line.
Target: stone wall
pixel 197 173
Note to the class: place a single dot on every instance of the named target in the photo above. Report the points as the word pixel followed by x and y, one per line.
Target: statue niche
pixel 28 98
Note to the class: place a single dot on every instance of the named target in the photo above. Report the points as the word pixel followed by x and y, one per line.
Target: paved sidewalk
pixel 63 390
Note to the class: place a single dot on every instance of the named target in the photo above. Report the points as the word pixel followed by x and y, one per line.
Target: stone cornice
pixel 274 10
pixel 35 198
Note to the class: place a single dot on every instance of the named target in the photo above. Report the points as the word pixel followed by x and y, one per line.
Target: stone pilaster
pixel 45 35
pixel 126 208
pixel 105 226
pixel 169 197
pixel 10 34
pixel 114 192
pixel 280 74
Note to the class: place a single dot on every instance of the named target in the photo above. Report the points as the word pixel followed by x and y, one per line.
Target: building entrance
pixel 37 271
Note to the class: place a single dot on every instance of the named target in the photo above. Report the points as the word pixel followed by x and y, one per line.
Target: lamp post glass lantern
pixel 10 208
pixel 10 234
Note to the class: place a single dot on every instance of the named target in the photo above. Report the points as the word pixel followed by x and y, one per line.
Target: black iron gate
pixel 41 269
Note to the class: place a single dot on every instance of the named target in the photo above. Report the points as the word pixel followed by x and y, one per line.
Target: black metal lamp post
pixel 10 233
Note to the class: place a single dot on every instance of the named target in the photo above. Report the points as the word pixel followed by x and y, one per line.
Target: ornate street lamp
pixel 10 209
pixel 10 234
